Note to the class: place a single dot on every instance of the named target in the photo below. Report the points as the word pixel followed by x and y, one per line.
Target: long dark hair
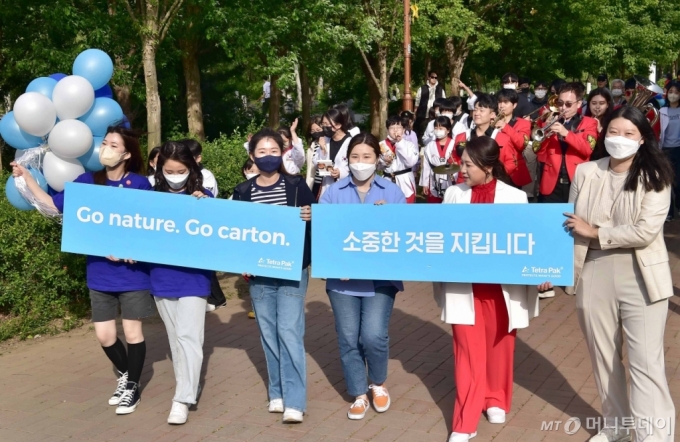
pixel 339 118
pixel 604 93
pixel 263 134
pixel 134 164
pixel 485 153
pixel 177 151
pixel 650 166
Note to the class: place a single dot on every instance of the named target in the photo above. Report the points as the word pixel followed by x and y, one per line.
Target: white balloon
pixel 73 96
pixel 58 171
pixel 35 113
pixel 70 139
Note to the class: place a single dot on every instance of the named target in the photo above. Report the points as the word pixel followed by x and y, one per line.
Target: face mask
pixel 176 182
pixel 448 114
pixel 316 135
pixel 109 157
pixel 250 176
pixel 269 163
pixel 437 113
pixel 525 89
pixel 328 131
pixel 510 86
pixel 621 147
pixel 617 92
pixel 540 94
pixel 362 171
pixel 673 98
pixel 440 133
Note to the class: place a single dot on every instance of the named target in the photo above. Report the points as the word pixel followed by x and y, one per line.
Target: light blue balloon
pixel 105 112
pixel 13 195
pixel 90 160
pixel 42 85
pixel 14 136
pixel 94 65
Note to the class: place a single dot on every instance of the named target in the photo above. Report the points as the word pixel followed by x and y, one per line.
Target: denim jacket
pixel 345 192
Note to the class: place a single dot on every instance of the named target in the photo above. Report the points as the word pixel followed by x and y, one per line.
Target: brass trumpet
pixel 539 133
pixel 552 105
pixel 641 96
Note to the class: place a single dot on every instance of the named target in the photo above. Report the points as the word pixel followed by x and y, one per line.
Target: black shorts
pixel 133 305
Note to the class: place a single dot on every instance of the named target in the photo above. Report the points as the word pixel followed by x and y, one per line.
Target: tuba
pixel 644 91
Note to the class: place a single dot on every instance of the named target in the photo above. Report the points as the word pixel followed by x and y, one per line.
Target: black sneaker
pixel 129 400
pixel 120 388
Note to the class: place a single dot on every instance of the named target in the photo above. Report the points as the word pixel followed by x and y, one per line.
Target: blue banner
pixel 483 243
pixel 211 234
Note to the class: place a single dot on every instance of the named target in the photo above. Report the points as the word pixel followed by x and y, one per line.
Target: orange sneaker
pixel 358 409
pixel 381 398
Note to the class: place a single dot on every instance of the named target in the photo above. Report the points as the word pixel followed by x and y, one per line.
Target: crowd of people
pixel 599 153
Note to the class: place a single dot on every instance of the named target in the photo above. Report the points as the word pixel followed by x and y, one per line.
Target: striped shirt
pixel 317 179
pixel 274 194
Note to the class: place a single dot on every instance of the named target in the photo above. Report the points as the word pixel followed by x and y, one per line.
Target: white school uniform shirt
pixel 459 127
pixel 294 158
pixel 339 163
pixel 353 132
pixel 431 159
pixel 209 181
pixel 406 156
pixel 456 299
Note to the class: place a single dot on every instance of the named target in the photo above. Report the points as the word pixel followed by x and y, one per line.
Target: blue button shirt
pixel 345 192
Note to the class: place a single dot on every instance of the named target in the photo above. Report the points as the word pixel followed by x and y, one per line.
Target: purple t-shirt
pixel 102 274
pixel 178 282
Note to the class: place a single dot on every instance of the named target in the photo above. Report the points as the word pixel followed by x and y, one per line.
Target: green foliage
pixel 38 283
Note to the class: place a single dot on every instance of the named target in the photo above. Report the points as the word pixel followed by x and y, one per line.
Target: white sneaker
pixel 276 406
pixel 495 415
pixel 547 294
pixel 612 435
pixel 209 308
pixel 461 437
pixel 120 388
pixel 291 416
pixel 178 414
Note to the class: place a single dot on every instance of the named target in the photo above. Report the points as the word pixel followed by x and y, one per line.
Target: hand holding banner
pixel 224 235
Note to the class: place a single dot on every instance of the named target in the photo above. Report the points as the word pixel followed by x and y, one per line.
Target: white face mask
pixel 673 98
pixel 362 171
pixel 540 94
pixel 617 92
pixel 510 86
pixel 621 147
pixel 177 181
pixel 448 114
pixel 109 157
pixel 250 176
pixel 439 133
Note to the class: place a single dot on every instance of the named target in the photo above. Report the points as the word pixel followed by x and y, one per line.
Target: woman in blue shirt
pixel 363 308
pixel 113 282
pixel 181 293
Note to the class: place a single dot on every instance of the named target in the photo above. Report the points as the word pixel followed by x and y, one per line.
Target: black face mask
pixel 525 89
pixel 316 135
pixel 328 131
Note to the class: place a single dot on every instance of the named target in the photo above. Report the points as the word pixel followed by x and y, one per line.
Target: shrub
pixel 41 289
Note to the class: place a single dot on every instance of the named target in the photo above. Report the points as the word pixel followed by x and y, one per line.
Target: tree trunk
pixel 384 91
pixel 123 95
pixel 456 54
pixel 153 100
pixel 428 67
pixel 274 102
pixel 306 98
pixel 374 98
pixel 192 78
pixel 298 85
pixel 319 88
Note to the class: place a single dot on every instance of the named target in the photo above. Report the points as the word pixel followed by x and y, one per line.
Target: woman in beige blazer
pixel 622 276
pixel 484 317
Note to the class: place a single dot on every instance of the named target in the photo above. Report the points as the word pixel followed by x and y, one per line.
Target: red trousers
pixel 483 357
pixel 433 199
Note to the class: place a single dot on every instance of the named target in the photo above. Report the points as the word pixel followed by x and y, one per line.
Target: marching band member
pixel 569 142
pixel 484 317
pixel 515 133
pixel 436 154
pixel 398 158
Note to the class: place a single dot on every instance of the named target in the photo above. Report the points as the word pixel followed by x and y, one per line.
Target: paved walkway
pixel 56 389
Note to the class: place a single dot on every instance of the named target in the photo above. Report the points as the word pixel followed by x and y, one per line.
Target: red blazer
pixel 581 144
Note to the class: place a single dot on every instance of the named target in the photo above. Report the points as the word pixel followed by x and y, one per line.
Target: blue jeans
pixel 362 326
pixel 279 307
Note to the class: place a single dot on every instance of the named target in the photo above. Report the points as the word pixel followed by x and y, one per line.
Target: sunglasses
pixel 434 77
pixel 566 104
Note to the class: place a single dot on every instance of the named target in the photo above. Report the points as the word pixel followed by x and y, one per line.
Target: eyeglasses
pixel 566 104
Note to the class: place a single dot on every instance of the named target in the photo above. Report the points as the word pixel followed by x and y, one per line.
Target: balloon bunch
pixel 64 117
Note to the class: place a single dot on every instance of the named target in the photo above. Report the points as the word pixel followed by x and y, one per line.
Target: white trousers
pixel 184 320
pixel 612 302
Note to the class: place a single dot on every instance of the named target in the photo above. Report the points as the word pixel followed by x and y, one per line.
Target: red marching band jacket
pixel 512 141
pixel 580 142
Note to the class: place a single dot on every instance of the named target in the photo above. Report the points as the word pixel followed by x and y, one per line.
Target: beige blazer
pixel 456 299
pixel 646 211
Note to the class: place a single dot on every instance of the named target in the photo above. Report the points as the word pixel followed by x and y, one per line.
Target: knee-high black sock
pixel 118 355
pixel 136 356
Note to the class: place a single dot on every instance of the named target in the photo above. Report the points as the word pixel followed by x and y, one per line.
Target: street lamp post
pixel 408 104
